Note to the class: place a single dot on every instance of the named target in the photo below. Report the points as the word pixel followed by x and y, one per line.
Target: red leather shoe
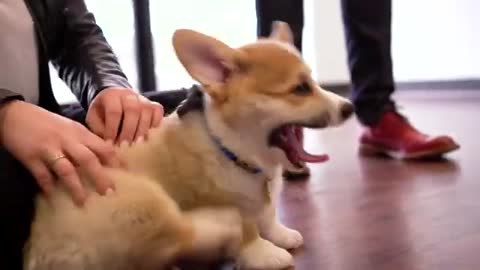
pixel 394 136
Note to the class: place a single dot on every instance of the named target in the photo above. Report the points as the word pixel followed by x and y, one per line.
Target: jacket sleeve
pixel 86 62
pixel 7 95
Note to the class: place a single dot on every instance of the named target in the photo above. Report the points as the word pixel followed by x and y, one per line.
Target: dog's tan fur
pixel 180 196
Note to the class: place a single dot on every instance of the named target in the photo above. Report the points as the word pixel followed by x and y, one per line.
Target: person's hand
pixel 113 107
pixel 53 148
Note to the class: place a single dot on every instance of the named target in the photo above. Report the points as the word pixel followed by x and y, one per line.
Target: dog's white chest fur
pixel 253 190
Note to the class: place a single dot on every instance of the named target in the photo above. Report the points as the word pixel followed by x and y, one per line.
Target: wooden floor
pixel 359 213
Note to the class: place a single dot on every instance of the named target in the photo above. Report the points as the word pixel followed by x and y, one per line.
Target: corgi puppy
pixel 206 182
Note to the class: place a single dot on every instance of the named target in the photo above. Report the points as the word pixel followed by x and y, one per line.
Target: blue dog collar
pixel 233 157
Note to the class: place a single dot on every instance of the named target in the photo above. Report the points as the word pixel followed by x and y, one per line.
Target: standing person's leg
pixel 17 192
pixel 368 39
pixel 368 36
pixel 291 12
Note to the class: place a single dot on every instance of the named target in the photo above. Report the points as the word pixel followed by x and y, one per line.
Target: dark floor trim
pixel 467 84
pixel 339 88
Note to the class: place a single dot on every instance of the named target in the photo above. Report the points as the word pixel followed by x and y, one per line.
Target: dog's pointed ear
pixel 206 59
pixel 281 31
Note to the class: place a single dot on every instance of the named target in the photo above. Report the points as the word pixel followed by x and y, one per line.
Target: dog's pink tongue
pixel 300 153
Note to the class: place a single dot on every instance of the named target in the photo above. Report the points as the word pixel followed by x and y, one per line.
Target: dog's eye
pixel 302 89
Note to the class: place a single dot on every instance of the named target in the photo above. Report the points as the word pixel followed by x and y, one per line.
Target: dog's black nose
pixel 347 110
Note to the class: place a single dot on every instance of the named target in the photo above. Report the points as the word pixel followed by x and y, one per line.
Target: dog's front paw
pixel 263 255
pixel 284 237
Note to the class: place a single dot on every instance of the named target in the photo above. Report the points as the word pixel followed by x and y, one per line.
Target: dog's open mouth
pixel 289 138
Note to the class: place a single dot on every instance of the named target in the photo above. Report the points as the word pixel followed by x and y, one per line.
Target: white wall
pixel 323 24
pixel 232 21
pixel 431 40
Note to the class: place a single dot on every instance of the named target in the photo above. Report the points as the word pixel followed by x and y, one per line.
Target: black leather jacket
pixel 69 37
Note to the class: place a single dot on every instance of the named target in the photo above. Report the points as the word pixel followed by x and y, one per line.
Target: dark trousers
pixel 289 11
pixel 368 40
pixel 17 191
